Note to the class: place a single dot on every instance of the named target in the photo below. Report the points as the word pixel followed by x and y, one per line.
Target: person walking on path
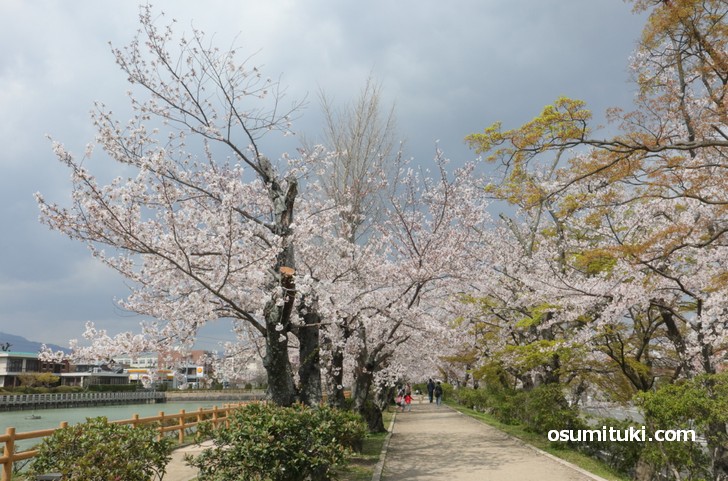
pixel 437 444
pixel 438 393
pixel 430 388
pixel 400 398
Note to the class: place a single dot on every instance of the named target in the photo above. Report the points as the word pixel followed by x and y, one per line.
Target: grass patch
pixel 585 462
pixel 361 465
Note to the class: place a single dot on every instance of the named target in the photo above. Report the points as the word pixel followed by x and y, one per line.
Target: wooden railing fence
pixel 179 422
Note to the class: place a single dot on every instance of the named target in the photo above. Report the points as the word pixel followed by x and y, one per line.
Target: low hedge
pixel 101 451
pixel 268 442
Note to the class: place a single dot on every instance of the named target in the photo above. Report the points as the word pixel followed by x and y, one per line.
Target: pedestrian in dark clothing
pixel 430 388
pixel 438 394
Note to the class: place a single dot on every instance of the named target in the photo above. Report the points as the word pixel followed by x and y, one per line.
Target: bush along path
pixel 271 442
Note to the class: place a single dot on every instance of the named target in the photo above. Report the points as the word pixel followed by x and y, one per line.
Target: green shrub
pixel 100 451
pixel 545 408
pixel 472 398
pixel 32 390
pixel 66 389
pixel 699 404
pixel 112 387
pixel 539 410
pixel 506 405
pixel 623 456
pixel 447 391
pixel 267 442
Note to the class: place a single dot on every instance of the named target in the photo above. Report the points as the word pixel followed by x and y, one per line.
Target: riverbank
pixel 21 402
pixel 27 421
pixel 224 395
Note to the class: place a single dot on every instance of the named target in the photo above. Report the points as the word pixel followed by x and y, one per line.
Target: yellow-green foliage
pixel 535 354
pixel 595 261
pixel 535 316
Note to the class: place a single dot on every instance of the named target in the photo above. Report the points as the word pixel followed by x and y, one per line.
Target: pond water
pixel 24 421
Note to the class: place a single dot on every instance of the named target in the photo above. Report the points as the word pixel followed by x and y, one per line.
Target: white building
pixel 14 364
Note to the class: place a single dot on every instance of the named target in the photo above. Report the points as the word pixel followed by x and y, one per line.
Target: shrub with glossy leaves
pixel 100 451
pixel 268 442
pixel 699 404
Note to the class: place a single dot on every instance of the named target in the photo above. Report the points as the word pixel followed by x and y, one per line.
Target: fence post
pixel 135 420
pixel 214 417
pixel 8 453
pixel 161 425
pixel 181 434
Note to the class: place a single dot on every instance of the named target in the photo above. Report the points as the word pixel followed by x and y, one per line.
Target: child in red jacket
pixel 407 402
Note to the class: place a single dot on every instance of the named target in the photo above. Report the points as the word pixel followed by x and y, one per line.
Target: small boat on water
pixel 33 416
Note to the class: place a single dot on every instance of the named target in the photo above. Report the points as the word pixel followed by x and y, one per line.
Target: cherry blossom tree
pixel 436 232
pixel 355 181
pixel 379 299
pixel 206 227
pixel 628 231
pixel 199 237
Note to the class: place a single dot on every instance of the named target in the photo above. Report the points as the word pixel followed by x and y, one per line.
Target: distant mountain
pixel 21 344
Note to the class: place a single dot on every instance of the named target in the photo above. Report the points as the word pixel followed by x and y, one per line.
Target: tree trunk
pixel 336 378
pixel 643 470
pixel 281 388
pixel 715 434
pixel 362 404
pixel 676 337
pixel 373 417
pixel 366 363
pixel 363 373
pixel 360 391
pixel 309 371
pixel 335 381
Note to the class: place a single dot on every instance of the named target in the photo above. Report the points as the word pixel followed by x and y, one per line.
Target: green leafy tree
pixel 647 204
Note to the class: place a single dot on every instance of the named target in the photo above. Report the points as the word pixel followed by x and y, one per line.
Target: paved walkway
pixel 177 469
pixel 431 443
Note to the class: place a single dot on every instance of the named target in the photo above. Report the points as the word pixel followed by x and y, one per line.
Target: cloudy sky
pixel 450 68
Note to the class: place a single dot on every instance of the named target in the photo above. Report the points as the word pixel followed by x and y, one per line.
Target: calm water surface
pixel 52 418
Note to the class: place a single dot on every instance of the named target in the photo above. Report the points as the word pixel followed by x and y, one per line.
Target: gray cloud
pixel 451 68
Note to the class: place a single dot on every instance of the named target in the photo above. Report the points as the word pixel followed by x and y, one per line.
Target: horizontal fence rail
pixel 169 423
pixel 39 401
